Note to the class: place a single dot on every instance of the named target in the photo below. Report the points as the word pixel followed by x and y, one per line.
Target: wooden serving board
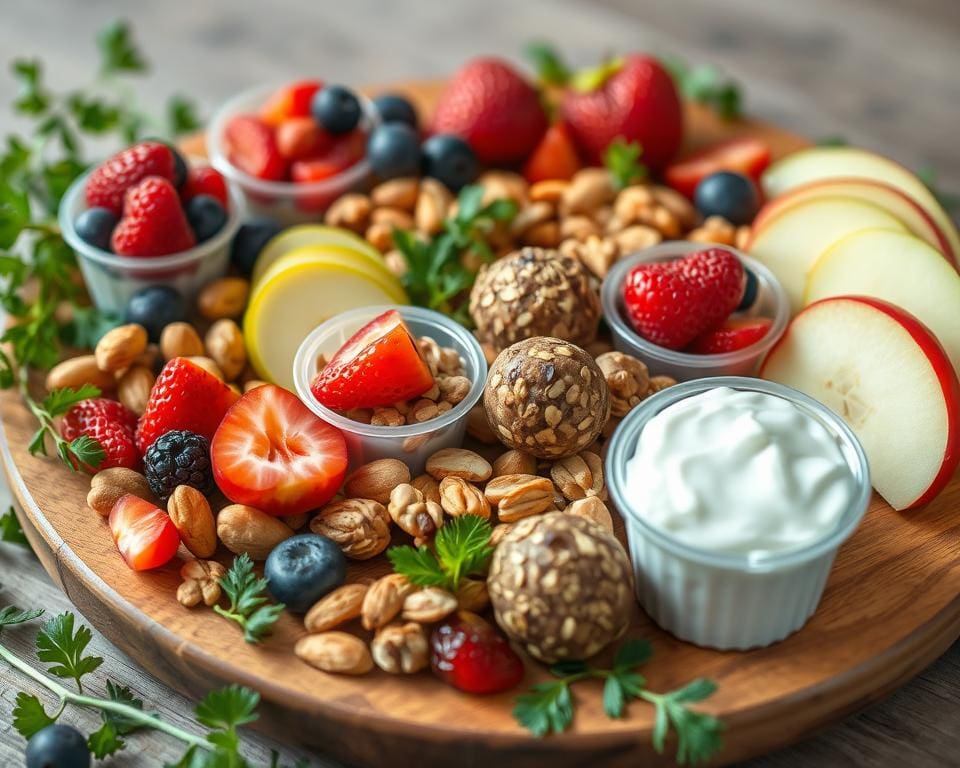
pixel 891 606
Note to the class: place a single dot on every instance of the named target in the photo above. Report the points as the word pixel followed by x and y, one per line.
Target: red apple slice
pixel 885 373
pixel 877 193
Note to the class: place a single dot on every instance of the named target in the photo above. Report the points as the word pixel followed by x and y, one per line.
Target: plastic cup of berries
pixel 287 166
pixel 723 324
pixel 394 430
pixel 171 228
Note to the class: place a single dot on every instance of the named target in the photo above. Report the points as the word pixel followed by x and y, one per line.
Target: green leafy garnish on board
pixel 82 450
pixel 438 275
pixel 10 530
pixel 249 605
pixel 548 707
pixel 706 85
pixel 622 159
pixel 460 549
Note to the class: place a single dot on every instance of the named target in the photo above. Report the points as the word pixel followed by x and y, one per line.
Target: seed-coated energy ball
pixel 547 397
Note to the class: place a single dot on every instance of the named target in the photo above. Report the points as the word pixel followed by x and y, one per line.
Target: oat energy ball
pixel 561 586
pixel 534 292
pixel 547 397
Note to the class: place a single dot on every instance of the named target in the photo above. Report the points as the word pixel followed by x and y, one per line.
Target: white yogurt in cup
pixel 736 494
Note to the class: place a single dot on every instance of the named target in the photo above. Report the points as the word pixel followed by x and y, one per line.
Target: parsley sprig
pixel 436 276
pixel 10 530
pixel 460 549
pixel 249 606
pixel 82 450
pixel 62 646
pixel 548 707
pixel 622 159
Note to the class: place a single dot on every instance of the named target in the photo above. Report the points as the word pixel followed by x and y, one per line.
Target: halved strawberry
pixel 379 365
pixel 145 536
pixel 184 396
pixel 273 453
pixel 748 156
pixel 252 148
pixel 290 101
pixel 734 333
pixel 299 138
pixel 554 158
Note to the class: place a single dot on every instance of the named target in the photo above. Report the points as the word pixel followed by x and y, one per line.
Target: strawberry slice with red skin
pixel 670 303
pixel 733 334
pixel 251 147
pixel 153 222
pixel 273 453
pixel 204 180
pixel 145 535
pixel 469 654
pixel 379 365
pixel 554 158
pixel 184 396
pixel 299 138
pixel 748 156
pixel 339 156
pixel 292 100
pixel 109 181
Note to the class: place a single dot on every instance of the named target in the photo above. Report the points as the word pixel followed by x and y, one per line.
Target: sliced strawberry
pixel 734 333
pixel 342 154
pixel 184 396
pixel 204 180
pixel 290 101
pixel 273 453
pixel 379 365
pixel 302 137
pixel 748 156
pixel 109 181
pixel 153 222
pixel 252 148
pixel 145 536
pixel 554 158
pixel 670 303
pixel 469 654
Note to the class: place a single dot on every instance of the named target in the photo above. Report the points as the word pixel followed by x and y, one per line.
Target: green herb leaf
pixel 463 547
pixel 105 741
pixel 699 735
pixel 10 530
pixel 419 565
pixel 247 594
pixel 118 52
pixel 632 654
pixel 549 65
pixel 546 708
pixel 622 159
pixel 704 84
pixel 181 116
pixel 11 615
pixel 226 709
pixel 87 326
pixel 614 698
pixel 59 401
pixel 59 645
pixel 29 716
pixel 34 99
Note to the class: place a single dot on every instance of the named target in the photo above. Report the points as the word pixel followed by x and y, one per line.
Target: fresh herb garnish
pixel 82 450
pixel 622 159
pixel 548 707
pixel 249 606
pixel 460 549
pixel 550 67
pixel 436 276
pixel 10 530
pixel 705 85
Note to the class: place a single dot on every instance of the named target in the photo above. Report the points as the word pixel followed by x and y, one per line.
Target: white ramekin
pixel 724 601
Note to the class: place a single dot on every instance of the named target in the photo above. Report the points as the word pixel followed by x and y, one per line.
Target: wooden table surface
pixel 881 73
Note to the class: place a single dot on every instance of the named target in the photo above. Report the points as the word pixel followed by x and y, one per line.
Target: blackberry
pixel 179 458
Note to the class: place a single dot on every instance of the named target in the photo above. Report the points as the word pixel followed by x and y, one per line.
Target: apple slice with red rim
pixel 884 372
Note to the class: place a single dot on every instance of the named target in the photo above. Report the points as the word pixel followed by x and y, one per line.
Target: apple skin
pixel 858 189
pixel 943 370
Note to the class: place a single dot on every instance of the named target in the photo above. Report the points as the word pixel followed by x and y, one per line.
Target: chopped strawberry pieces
pixel 748 156
pixel 733 334
pixel 145 535
pixel 290 101
pixel 251 147
pixel 554 158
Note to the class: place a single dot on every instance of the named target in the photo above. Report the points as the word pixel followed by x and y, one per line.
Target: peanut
pixel 225 346
pixel 133 388
pixel 246 530
pixel 119 347
pixel 226 297
pixel 180 340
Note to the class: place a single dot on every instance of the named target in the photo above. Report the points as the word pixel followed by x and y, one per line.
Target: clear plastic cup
pixel 411 443
pixel 771 302
pixel 729 601
pixel 287 202
pixel 112 279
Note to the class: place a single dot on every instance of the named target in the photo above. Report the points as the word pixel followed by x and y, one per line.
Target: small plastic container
pixel 287 202
pixel 771 302
pixel 725 601
pixel 411 443
pixel 112 279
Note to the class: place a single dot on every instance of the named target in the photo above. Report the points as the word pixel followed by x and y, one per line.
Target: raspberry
pixel 111 425
pixel 153 222
pixel 109 182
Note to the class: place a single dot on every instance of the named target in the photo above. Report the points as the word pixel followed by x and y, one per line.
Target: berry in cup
pixel 394 108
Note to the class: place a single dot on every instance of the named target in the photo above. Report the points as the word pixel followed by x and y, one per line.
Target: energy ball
pixel 535 292
pixel 561 586
pixel 546 397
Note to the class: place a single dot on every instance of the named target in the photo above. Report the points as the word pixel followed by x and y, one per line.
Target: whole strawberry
pixel 634 98
pixel 153 222
pixel 109 423
pixel 494 109
pixel 109 182
pixel 670 303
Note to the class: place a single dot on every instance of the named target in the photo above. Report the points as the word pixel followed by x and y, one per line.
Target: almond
pixel 119 347
pixel 593 509
pixel 190 513
pixel 225 346
pixel 396 193
pixel 133 388
pixel 336 652
pixel 180 340
pixel 377 480
pixel 514 462
pixel 226 297
pixel 76 372
pixel 384 600
pixel 572 476
pixel 245 530
pixel 458 462
pixel 108 485
pixel 336 608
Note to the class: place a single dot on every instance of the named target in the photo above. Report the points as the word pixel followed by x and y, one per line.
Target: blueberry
pixel 303 569
pixel 249 241
pixel 336 108
pixel 57 746
pixel 206 215
pixel 394 108
pixel 155 307
pixel 727 194
pixel 95 225
pixel 751 289
pixel 449 159
pixel 393 150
